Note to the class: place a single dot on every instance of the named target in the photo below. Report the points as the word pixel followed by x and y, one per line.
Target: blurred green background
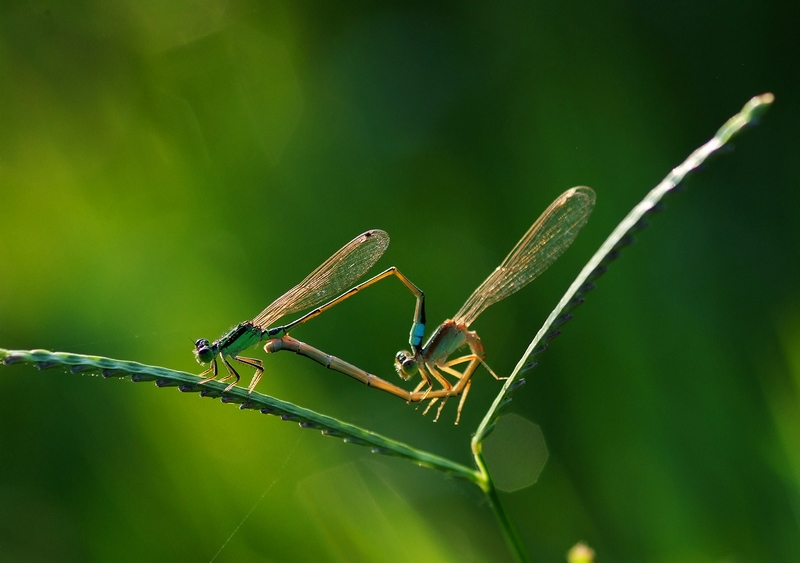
pixel 168 169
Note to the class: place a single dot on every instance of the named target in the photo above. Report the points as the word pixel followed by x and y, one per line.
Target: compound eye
pixel 203 351
pixel 405 364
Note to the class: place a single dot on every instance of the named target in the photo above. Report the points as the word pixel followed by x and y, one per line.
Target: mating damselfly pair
pixel 332 282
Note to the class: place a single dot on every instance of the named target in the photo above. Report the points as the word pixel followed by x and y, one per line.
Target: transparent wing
pixel 332 277
pixel 546 240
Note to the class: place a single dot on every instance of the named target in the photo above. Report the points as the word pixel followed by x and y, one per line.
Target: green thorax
pixel 243 336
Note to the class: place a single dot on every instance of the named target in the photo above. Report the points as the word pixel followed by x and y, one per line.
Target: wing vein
pixel 332 277
pixel 545 241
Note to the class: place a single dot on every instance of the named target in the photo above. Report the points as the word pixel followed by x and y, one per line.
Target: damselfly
pixel 545 241
pixel 336 274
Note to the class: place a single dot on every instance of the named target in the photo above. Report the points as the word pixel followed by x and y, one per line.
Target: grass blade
pixel 187 382
pixel 619 238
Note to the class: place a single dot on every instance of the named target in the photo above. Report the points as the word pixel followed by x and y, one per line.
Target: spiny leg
pixel 464 383
pixel 446 386
pixel 454 390
pixel 424 395
pixel 477 353
pixel 449 387
pixel 461 360
pixel 457 374
pixel 497 377
pixel 228 368
pixel 212 368
pixel 418 388
pixel 439 377
pixel 426 380
pixel 434 400
pixel 464 376
pixel 254 363
pixel 231 373
pixel 470 358
pixel 439 410
pixel 461 402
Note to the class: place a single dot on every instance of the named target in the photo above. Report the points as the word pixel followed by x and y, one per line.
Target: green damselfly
pixel 336 274
pixel 548 238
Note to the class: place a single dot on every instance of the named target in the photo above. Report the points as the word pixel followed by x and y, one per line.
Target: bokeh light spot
pixel 515 453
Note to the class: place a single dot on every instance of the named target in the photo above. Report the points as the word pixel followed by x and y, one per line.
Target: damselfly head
pixel 405 364
pixel 203 351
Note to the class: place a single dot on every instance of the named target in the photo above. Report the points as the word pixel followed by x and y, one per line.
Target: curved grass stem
pixel 187 382
pixel 510 533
